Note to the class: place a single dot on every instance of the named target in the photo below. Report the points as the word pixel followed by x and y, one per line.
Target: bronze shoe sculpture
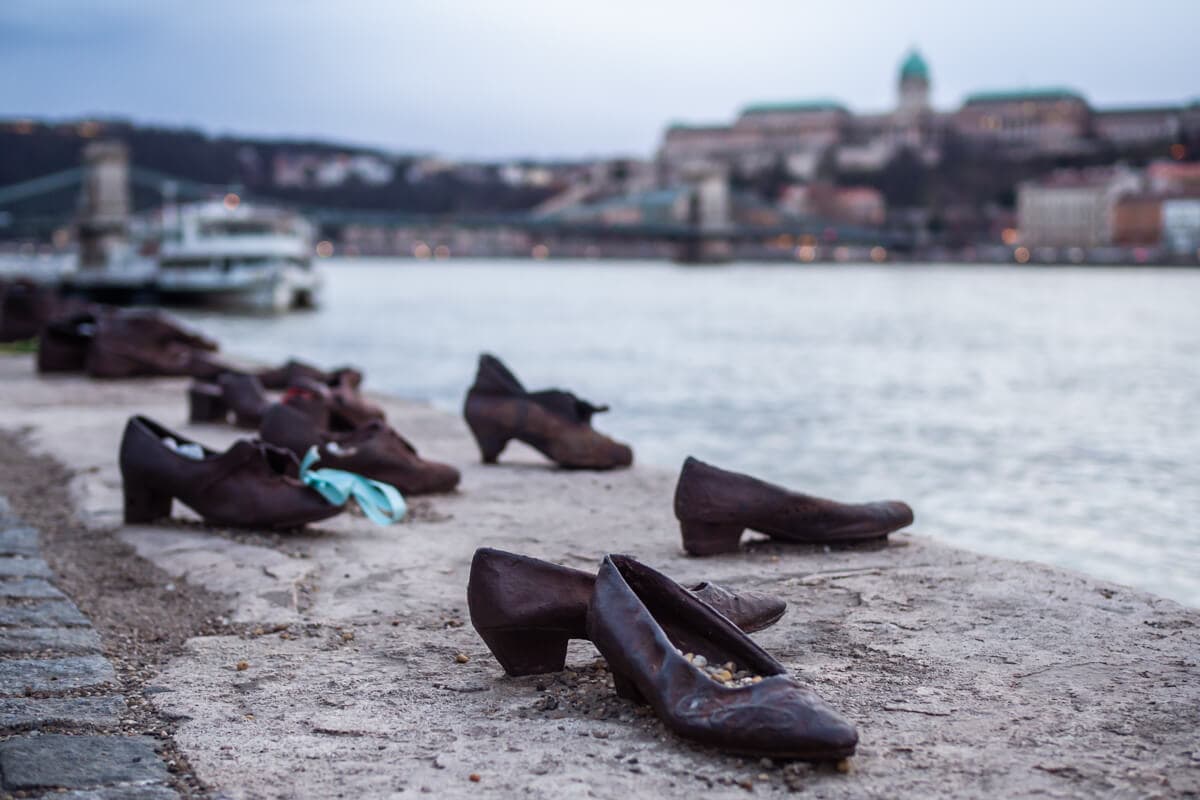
pixel 658 638
pixel 239 395
pixel 250 485
pixel 714 506
pixel 25 306
pixel 288 373
pixel 373 450
pixel 129 344
pixel 526 609
pixel 64 342
pixel 556 423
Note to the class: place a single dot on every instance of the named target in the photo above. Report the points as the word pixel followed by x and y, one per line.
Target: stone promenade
pixel 350 669
pixel 60 699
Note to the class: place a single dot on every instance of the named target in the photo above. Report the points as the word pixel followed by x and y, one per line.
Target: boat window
pixel 240 227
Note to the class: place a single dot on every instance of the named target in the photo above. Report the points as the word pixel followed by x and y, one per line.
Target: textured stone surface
pixel 151 792
pixel 967 676
pixel 78 762
pixel 33 588
pixel 45 614
pixel 18 676
pixel 17 567
pixel 65 641
pixel 24 712
pixel 18 541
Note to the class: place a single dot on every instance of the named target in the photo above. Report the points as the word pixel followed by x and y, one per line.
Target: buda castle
pixel 1021 123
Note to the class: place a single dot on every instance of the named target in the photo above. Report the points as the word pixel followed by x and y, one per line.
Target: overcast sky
pixel 550 78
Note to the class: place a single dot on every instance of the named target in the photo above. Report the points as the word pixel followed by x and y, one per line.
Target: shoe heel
pixel 627 689
pixel 710 538
pixel 205 404
pixel 527 652
pixel 490 437
pixel 143 505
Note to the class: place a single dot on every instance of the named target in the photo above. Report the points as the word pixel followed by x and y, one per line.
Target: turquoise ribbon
pixel 381 502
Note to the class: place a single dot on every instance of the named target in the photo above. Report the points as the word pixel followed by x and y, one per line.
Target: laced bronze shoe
pixel 554 422
pixel 646 626
pixel 374 449
pixel 526 609
pixel 250 485
pixel 714 506
pixel 233 394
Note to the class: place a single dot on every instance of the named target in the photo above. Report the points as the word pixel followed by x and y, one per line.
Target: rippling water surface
pixel 1051 415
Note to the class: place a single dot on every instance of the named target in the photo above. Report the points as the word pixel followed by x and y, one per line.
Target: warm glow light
pixel 806 253
pixel 540 251
pixel 441 251
pixel 1009 236
pixel 325 248
pixel 1178 152
pixel 878 254
pixel 421 250
pixel 232 201
pixel 1021 254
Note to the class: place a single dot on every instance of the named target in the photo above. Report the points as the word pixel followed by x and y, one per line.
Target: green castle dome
pixel 914 67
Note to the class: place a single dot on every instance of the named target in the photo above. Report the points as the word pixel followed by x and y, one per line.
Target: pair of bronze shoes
pixel 715 506
pixel 252 484
pixel 350 439
pixel 326 411
pixel 659 639
pixel 243 396
pixel 122 343
pixel 554 422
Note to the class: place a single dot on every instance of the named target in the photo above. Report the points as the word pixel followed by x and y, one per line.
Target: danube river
pixel 1050 415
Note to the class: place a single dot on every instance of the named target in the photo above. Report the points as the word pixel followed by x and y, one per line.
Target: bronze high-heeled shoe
pixel 232 393
pixel 645 625
pixel 556 423
pixel 526 609
pixel 714 506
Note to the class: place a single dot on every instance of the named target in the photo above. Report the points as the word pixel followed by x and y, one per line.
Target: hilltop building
pixel 806 135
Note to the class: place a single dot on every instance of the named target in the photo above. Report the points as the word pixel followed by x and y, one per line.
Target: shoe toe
pixel 759 610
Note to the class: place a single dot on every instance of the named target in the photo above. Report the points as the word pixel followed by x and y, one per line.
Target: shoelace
pixel 381 502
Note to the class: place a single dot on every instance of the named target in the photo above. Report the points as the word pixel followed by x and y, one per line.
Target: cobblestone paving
pixel 58 693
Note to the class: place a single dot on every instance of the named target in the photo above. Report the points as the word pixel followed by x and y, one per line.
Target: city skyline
pixel 522 80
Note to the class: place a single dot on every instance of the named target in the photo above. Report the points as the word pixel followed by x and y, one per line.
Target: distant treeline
pixel 31 150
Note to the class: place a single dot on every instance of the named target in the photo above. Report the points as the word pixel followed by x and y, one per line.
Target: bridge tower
pixel 103 222
pixel 709 216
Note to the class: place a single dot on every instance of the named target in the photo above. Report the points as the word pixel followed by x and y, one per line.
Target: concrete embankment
pixel 966 675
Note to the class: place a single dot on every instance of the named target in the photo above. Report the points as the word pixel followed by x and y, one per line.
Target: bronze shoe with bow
pixel 250 485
